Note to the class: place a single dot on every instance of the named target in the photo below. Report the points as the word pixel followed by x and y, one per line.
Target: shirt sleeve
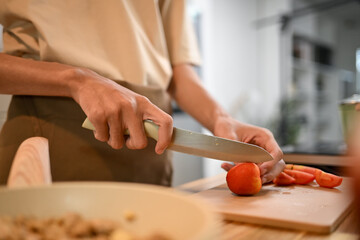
pixel 20 37
pixel 180 36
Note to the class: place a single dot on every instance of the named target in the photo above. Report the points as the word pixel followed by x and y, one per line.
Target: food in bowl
pixel 139 208
pixel 70 226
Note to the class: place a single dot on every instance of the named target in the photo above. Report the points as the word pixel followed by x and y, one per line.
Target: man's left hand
pixel 227 127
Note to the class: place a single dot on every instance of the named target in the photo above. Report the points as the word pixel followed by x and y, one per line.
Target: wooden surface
pixel 347 229
pixel 31 165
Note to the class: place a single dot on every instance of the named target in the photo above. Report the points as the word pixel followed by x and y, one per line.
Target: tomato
pixel 300 177
pixel 283 179
pixel 327 180
pixel 244 179
pixel 302 168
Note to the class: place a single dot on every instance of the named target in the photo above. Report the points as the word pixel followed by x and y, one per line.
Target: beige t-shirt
pixel 133 40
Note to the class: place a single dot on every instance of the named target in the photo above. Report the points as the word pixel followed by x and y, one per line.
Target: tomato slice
pixel 283 180
pixel 327 180
pixel 302 168
pixel 300 177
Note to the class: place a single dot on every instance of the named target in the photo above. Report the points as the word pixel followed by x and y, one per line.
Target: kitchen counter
pixel 318 159
pixel 235 230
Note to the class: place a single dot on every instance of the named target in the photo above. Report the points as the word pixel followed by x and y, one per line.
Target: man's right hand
pixel 112 109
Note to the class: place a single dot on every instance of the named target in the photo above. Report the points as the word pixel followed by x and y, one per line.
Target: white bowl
pixel 157 209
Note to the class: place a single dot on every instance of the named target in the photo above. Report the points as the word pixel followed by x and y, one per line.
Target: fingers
pixel 269 170
pixel 137 138
pixel 267 166
pixel 227 166
pixel 165 123
pixel 231 129
pixel 131 117
pixel 272 170
pixel 112 108
pixel 102 129
pixel 116 139
pixel 165 134
pixel 273 148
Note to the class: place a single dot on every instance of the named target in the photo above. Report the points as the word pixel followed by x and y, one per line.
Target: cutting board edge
pixel 344 214
pixel 311 227
pixel 284 224
pixel 325 227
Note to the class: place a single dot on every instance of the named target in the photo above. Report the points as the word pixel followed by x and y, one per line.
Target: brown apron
pixel 75 154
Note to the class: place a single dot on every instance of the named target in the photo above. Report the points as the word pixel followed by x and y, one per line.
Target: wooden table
pixel 347 230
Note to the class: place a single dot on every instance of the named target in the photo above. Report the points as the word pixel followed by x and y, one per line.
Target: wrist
pixel 74 79
pixel 220 117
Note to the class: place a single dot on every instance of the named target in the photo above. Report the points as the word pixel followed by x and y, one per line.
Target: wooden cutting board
pixel 311 208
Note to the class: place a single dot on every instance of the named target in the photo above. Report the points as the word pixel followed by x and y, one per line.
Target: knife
pixel 205 145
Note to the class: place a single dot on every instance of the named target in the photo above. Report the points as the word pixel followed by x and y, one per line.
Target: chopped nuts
pixel 129 216
pixel 71 226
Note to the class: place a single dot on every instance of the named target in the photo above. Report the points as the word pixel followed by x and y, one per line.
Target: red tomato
pixel 283 179
pixel 302 168
pixel 327 180
pixel 244 179
pixel 300 177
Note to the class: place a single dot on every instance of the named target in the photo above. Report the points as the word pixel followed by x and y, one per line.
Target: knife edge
pixel 215 147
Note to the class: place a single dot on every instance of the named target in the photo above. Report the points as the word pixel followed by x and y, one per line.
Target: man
pixel 115 62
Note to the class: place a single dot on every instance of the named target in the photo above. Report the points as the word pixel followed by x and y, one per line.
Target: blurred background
pixel 281 64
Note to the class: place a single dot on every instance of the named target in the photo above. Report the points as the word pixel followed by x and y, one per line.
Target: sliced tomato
pixel 302 168
pixel 283 179
pixel 300 177
pixel 327 180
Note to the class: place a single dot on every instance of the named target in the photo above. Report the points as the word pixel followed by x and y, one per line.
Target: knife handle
pixel 151 129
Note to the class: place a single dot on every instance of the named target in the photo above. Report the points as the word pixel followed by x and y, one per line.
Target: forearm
pixel 110 107
pixel 193 98
pixel 20 76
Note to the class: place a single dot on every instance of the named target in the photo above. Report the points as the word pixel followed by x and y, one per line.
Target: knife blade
pixel 203 145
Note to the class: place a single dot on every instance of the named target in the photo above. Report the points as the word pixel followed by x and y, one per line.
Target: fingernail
pixel 226 167
pixel 159 151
